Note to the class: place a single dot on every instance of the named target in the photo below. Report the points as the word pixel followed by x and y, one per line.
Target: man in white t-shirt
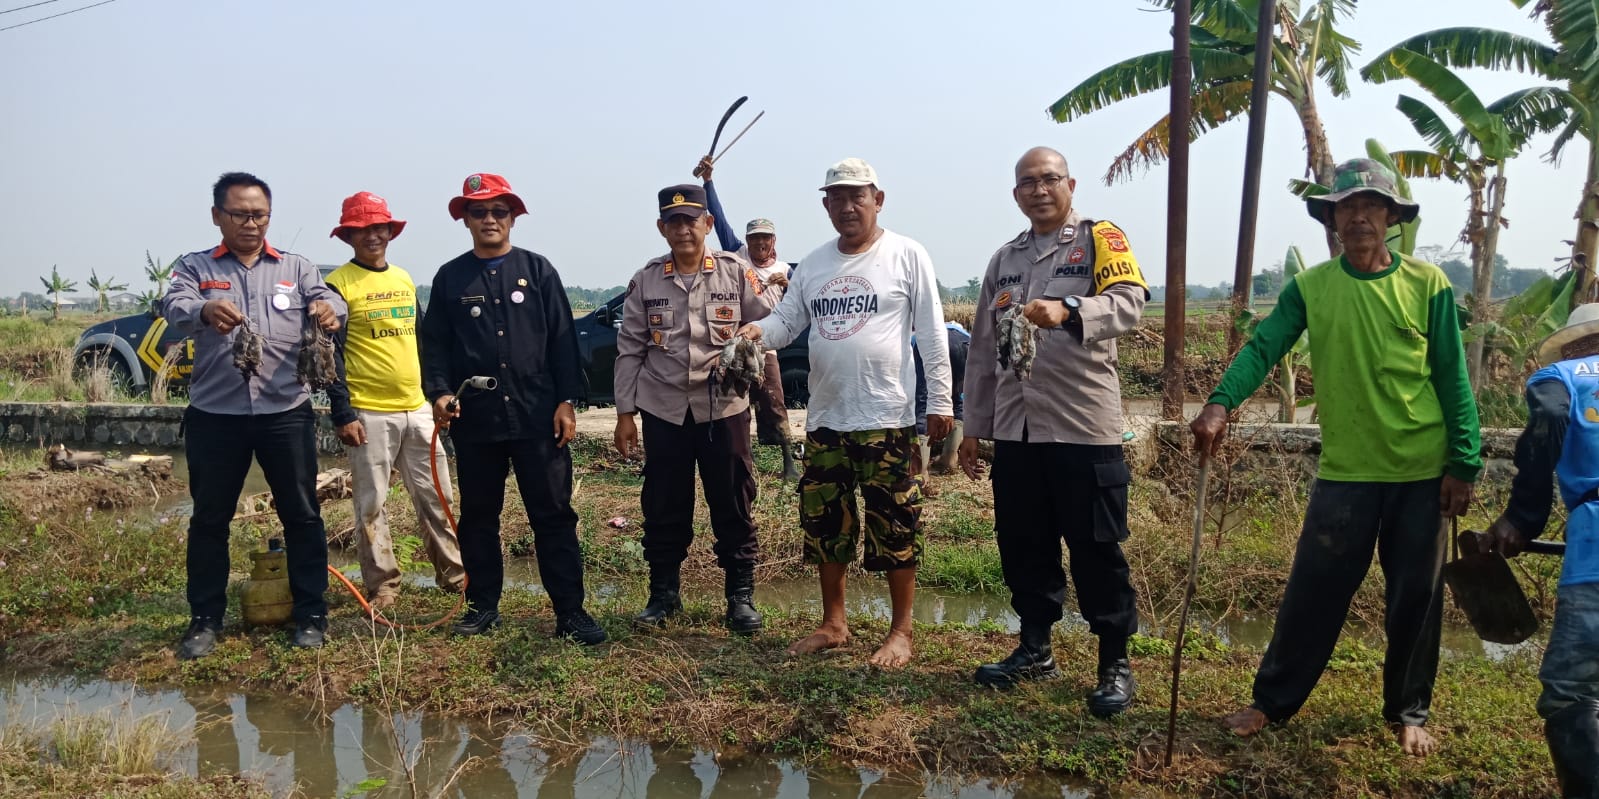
pixel 862 294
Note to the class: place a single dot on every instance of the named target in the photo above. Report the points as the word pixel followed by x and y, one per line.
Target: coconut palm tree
pixel 1573 62
pixel 1474 154
pixel 103 287
pixel 1309 49
pixel 55 286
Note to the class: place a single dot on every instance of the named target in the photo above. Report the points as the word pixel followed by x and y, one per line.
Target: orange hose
pixel 438 488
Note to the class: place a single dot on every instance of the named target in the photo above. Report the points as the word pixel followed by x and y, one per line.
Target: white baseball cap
pixel 850 172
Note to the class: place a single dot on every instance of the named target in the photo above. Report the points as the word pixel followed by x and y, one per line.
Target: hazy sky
pixel 117 120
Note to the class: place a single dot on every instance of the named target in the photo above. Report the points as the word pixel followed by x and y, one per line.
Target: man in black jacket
pixel 501 311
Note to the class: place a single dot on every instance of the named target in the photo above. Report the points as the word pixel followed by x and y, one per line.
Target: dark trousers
pixel 771 410
pixel 1343 523
pixel 219 448
pixel 544 477
pixel 721 449
pixel 1046 493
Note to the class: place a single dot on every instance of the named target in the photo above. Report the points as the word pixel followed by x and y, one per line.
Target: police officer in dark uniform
pixel 682 309
pixel 501 311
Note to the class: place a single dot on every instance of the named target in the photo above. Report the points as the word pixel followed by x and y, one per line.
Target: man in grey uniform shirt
pixel 245 285
pixel 1058 465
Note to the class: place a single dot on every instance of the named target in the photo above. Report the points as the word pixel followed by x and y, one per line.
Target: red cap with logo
pixel 484 186
pixel 365 209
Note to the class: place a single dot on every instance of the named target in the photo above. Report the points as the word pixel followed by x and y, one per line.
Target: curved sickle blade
pixel 718 137
pixel 725 117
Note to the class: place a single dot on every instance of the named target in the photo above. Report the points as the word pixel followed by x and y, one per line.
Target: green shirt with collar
pixel 1392 394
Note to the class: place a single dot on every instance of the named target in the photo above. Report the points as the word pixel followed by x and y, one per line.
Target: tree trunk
pixel 1481 267
pixel 1582 252
pixel 1318 154
pixel 1484 282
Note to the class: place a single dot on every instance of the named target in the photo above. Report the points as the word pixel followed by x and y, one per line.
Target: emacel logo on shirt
pixel 843 306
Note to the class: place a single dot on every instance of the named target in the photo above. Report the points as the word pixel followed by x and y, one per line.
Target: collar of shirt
pixel 669 268
pixel 266 249
pixel 1066 235
pixel 490 263
pixel 369 267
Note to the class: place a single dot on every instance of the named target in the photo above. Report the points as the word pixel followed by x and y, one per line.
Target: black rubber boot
pixel 1116 689
pixel 1031 660
pixel 1573 736
pixel 742 617
pixel 665 600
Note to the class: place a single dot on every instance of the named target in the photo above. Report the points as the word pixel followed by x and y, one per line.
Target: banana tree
pixel 1474 155
pixel 55 286
pixel 1573 25
pixel 102 288
pixel 157 274
pixel 1308 49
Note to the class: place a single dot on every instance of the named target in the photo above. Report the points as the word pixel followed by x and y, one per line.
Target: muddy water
pixel 325 752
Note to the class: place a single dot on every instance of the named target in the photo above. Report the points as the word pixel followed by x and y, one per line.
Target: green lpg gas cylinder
pixel 266 595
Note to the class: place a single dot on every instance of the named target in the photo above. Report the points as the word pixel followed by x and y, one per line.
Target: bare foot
pixel 1246 722
pixel 824 638
pixel 894 653
pixel 1416 742
pixel 382 602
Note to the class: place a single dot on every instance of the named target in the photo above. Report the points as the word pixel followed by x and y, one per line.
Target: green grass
pixel 695 684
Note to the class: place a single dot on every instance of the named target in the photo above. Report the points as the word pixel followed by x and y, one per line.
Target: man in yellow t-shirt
pixel 378 406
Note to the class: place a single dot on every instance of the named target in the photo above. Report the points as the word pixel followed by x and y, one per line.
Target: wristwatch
pixel 1073 306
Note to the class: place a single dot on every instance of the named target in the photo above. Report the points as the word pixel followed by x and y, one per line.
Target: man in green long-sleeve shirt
pixel 1400 448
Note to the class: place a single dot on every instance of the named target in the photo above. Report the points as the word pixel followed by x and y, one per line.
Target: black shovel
pixel 1487 592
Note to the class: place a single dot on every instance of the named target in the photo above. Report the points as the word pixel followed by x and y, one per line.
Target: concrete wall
pixel 102 425
pixel 1293 450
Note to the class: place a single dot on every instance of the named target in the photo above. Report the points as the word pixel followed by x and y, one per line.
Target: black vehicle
pixel 133 348
pixel 596 342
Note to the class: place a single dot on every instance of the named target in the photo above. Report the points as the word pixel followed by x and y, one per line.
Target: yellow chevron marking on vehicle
pixel 152 338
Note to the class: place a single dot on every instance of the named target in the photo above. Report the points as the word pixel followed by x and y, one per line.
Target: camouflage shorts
pixel 881 463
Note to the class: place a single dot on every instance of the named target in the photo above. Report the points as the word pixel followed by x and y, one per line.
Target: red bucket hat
pixel 484 186
pixel 365 209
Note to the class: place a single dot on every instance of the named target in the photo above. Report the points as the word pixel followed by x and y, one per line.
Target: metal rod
pixel 1182 83
pixel 1254 157
pixel 1188 598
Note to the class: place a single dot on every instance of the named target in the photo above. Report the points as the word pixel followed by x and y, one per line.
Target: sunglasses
pixel 482 213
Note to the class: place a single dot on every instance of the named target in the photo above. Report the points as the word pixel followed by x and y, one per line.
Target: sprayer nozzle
pixel 482 383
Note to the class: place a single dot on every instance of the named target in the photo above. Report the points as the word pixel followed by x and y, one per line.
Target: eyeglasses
pixel 241 217
pixel 1049 182
pixel 480 212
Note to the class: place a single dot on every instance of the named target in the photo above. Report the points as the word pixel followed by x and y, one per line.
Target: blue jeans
pixel 1570 671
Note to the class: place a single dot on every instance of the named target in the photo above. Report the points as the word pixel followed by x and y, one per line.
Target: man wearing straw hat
pixel 378 407
pixel 1400 447
pixel 1561 447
